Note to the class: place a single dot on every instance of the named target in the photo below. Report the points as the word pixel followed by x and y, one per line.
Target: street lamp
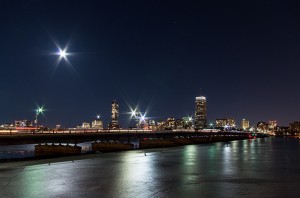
pixel 38 111
pixel 133 113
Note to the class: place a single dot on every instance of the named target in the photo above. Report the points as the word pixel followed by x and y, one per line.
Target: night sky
pixel 244 56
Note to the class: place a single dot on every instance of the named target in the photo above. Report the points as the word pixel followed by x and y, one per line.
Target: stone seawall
pixel 44 150
pixel 111 146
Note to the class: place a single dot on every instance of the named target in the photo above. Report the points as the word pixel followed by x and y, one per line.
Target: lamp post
pixel 38 111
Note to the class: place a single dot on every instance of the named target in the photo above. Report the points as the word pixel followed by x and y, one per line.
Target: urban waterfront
pixel 263 167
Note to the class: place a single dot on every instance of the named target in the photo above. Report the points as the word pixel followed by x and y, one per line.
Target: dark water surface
pixel 267 167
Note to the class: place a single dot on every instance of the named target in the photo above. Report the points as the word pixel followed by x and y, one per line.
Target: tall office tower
pixel 114 124
pixel 200 113
pixel 245 124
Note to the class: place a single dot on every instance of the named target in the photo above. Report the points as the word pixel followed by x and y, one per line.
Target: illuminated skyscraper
pixel 200 113
pixel 114 124
pixel 245 124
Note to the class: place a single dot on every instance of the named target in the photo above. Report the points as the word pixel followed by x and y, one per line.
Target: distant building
pixel 272 125
pixel 114 124
pixel 58 127
pixel 245 124
pixel 86 125
pixel 231 122
pixel 97 124
pixel 283 130
pixel 200 113
pixel 161 125
pixel 152 125
pixel 179 124
pixel 225 122
pixel 23 123
pixel 221 122
pixel 295 128
pixel 7 126
pixel 171 124
pixel 262 127
pixel 187 122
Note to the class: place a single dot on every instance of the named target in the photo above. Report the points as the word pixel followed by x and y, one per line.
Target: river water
pixel 268 167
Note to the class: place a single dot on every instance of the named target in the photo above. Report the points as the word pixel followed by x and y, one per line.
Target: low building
pixel 187 122
pixel 262 127
pixel 171 123
pixel 161 125
pixel 272 125
pixel 294 128
pixel 86 125
pixel 23 123
pixel 221 122
pixel 97 124
pixel 225 123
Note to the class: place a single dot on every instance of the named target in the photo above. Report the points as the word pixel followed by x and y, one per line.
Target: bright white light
pixel 40 110
pixel 62 53
pixel 133 113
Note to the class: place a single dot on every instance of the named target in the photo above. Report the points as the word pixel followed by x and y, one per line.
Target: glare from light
pixel 63 53
pixel 40 110
pixel 133 113
pixel 142 118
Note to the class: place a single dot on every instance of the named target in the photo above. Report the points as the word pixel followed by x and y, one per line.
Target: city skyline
pixel 77 57
pixel 135 115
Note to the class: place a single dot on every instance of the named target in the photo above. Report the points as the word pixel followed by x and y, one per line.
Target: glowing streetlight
pixel 39 110
pixel 133 113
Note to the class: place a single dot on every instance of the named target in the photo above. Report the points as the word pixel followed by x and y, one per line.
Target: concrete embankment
pixel 46 150
pixel 111 146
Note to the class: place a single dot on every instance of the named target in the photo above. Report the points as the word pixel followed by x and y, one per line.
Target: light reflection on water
pixel 249 168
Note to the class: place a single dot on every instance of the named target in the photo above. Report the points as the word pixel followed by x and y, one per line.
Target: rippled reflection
pixel 248 168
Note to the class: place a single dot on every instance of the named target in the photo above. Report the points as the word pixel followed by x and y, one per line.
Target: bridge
pixel 79 136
